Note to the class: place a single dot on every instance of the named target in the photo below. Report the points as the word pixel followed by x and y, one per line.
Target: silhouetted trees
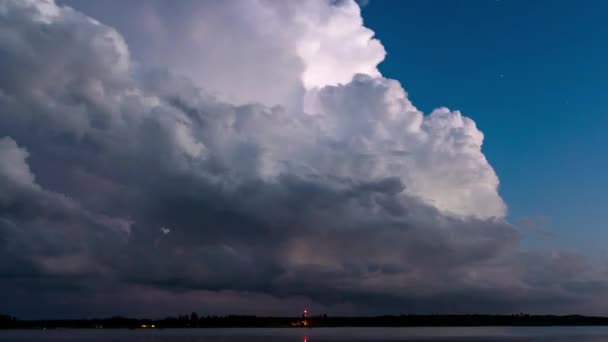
pixel 7 321
pixel 195 321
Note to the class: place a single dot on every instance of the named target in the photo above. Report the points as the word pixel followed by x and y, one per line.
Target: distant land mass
pixel 242 321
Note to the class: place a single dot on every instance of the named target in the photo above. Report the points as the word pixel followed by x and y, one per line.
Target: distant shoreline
pixel 239 321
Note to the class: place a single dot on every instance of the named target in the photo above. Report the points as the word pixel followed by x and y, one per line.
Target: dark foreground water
pixel 575 334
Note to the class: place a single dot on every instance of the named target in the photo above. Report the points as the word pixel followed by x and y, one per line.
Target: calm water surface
pixel 576 334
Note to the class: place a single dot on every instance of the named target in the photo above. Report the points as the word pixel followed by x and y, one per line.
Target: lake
pixel 443 334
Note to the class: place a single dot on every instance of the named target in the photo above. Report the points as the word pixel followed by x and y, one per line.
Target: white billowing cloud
pixel 438 157
pixel 304 55
pixel 92 76
pixel 334 44
pixel 452 172
pixel 366 130
pixel 358 193
pixel 273 49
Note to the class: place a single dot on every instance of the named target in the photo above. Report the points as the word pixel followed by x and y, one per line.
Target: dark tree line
pixel 7 321
pixel 193 320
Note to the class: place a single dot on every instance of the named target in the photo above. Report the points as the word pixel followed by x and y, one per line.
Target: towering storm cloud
pixel 243 157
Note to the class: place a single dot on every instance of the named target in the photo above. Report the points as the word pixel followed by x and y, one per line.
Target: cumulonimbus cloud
pixel 284 164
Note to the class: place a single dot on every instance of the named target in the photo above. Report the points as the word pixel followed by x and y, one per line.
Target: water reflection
pixel 488 334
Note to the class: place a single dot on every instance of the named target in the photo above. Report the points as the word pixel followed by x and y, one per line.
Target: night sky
pixel 257 157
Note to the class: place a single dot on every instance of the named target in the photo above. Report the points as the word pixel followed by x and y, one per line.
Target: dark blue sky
pixel 533 76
